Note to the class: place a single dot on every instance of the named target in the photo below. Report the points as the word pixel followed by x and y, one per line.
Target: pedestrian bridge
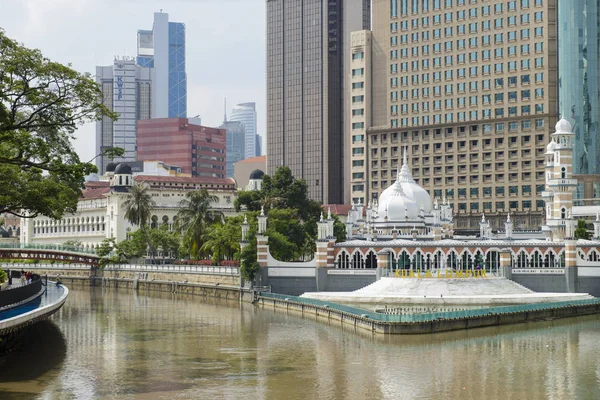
pixel 48 252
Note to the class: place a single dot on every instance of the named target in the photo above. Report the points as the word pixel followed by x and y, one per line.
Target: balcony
pixel 547 195
pixel 562 182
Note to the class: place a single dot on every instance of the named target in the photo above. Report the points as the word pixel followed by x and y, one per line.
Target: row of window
pixel 460 58
pixel 461 102
pixel 473 41
pixel 420 6
pixel 424 22
pixel 464 116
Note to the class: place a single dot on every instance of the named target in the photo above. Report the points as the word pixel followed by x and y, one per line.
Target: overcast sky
pixel 225 45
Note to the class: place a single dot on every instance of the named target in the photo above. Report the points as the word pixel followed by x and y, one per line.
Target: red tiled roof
pixel 184 179
pixel 259 159
pixel 96 193
pixel 96 184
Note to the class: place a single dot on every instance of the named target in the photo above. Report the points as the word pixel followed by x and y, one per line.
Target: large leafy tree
pixel 293 217
pixel 194 219
pixel 41 105
pixel 222 242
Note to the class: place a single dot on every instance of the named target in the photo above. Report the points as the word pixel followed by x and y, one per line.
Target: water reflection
pixel 123 345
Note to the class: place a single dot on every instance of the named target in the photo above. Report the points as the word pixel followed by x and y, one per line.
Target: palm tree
pixel 195 216
pixel 138 206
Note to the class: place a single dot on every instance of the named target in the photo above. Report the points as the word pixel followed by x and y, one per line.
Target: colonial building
pixel 100 212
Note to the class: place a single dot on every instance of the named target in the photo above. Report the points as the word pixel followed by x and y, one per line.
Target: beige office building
pixel 469 88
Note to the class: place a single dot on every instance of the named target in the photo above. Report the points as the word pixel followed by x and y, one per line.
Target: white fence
pixel 166 268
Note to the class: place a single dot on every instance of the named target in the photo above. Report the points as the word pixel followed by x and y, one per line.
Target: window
pixel 358 56
pixel 359 85
pixel 358 72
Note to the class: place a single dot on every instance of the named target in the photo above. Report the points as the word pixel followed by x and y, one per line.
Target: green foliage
pixel 3 276
pixel 581 231
pixel 138 205
pixel 292 224
pixel 41 105
pixel 161 239
pixel 72 243
pixel 249 264
pixel 194 219
pixel 222 242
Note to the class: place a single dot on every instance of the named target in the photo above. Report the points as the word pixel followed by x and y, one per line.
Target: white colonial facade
pixel 100 212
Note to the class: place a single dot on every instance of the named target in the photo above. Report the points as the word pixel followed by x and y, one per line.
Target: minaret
pixel 508 228
pixel 597 227
pixel 560 185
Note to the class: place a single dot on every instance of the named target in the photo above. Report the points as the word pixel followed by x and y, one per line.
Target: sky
pixel 225 46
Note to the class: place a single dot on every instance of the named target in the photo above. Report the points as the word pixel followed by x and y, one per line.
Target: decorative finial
pixel 483 217
pixel 598 217
pixel 262 211
pixel 404 158
pixel 245 219
pixel 328 212
pixel 321 220
pixel 508 218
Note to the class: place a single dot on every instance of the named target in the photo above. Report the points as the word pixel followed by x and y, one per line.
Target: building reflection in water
pixel 120 344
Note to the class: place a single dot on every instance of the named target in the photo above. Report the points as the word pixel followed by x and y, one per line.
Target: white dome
pixel 551 147
pixel 563 126
pixel 409 188
pixel 414 191
pixel 397 205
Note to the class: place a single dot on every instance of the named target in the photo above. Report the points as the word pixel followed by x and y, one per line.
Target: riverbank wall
pixel 215 282
pixel 428 323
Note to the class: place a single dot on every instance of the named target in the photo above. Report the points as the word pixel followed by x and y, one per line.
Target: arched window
pixel 563 213
pixel 563 173
pixel 357 260
pixel 371 260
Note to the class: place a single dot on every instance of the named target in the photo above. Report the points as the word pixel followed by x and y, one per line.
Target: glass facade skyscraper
pixel 163 48
pixel 579 70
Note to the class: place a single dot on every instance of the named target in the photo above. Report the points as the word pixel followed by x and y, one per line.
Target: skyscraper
pixel 468 89
pixel 235 144
pixel 163 49
pixel 126 90
pixel 579 79
pixel 246 114
pixel 306 43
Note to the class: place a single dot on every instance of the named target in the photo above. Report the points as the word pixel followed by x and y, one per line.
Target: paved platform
pixel 487 291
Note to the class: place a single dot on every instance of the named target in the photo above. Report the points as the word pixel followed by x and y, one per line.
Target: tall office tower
pixel 246 114
pixel 258 145
pixel 579 87
pixel 126 90
pixel 307 43
pixel 163 49
pixel 469 88
pixel 235 144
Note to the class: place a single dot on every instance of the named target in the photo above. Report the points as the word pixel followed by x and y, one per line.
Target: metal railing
pixel 55 247
pixel 428 317
pixel 194 269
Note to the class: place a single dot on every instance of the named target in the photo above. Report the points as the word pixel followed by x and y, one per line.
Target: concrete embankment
pixel 439 322
pixel 165 279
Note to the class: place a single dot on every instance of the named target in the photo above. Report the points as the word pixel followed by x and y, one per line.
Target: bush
pixel 3 276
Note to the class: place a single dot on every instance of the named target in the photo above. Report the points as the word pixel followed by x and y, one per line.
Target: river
pixel 107 344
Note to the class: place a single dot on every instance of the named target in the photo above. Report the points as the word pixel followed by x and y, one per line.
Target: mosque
pixel 405 230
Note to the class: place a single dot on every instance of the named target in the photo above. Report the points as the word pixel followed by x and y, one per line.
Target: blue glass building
pixel 163 48
pixel 578 80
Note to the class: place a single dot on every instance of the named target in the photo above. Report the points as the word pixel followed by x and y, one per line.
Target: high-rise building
pixel 306 63
pixel 579 82
pixel 198 150
pixel 246 114
pixel 235 144
pixel 468 89
pixel 126 90
pixel 163 49
pixel 258 146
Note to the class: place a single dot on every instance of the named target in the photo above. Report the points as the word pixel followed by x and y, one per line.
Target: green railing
pixel 427 317
pixel 57 247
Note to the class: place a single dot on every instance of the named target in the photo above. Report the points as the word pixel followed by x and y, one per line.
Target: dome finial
pixel 404 158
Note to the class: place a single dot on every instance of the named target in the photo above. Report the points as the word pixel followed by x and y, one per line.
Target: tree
pixel 581 231
pixel 138 207
pixel 249 265
pixel 222 242
pixel 194 218
pixel 41 105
